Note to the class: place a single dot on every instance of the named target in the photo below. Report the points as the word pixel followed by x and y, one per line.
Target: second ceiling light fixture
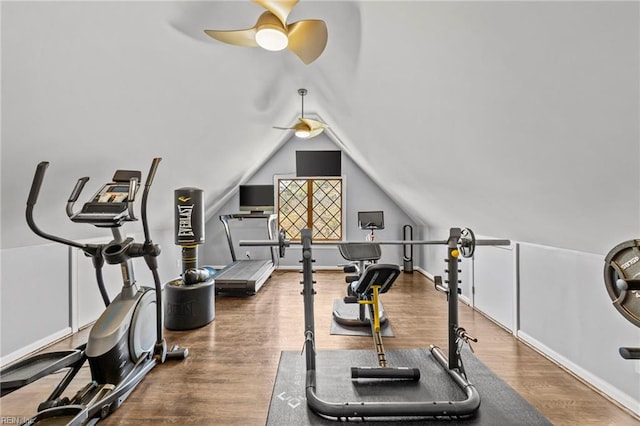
pixel 305 128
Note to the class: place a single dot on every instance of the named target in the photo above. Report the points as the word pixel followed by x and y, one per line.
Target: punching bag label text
pixel 184 222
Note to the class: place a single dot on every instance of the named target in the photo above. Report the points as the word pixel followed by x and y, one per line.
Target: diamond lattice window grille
pixel 310 203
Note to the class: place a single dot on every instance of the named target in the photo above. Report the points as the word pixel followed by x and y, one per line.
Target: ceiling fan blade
pixel 313 124
pixel 315 132
pixel 307 39
pixel 238 37
pixel 281 9
pixel 283 128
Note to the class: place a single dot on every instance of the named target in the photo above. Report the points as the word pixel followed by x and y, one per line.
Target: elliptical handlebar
pixel 131 197
pixel 37 183
pixel 150 253
pixel 150 176
pixel 38 178
pixel 75 194
pixel 152 171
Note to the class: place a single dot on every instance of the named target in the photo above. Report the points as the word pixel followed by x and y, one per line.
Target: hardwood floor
pixel 229 375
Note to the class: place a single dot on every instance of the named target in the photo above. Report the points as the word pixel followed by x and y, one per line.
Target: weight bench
pixel 351 311
pixel 363 290
pixel 379 274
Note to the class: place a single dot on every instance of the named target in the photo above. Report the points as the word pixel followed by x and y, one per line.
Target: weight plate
pixel 623 261
pixel 467 242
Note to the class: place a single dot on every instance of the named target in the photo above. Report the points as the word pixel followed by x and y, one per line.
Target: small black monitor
pixel 256 198
pixel 318 163
pixel 371 220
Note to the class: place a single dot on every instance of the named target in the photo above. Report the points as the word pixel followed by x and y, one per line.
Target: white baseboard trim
pixel 423 272
pixel 601 385
pixel 35 346
pixel 461 298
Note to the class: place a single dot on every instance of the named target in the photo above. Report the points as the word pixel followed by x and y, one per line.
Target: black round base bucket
pixel 188 306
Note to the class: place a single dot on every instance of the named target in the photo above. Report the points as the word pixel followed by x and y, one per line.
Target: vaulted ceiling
pixel 517 119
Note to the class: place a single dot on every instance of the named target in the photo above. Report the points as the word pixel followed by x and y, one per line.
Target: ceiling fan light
pixel 302 131
pixel 271 38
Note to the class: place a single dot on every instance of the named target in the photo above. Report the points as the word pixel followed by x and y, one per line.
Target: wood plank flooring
pixel 229 375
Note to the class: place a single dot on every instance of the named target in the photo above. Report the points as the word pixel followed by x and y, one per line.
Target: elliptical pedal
pixel 84 393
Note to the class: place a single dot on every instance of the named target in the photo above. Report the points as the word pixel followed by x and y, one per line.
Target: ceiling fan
pixel 305 128
pixel 306 38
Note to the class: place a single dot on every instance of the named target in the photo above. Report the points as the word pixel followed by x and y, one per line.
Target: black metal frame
pixel 271 218
pixel 452 364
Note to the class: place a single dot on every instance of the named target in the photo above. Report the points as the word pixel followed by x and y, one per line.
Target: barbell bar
pixel 467 242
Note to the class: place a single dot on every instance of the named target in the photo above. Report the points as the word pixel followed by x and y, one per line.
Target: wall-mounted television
pixel 318 163
pixel 256 198
pixel 371 220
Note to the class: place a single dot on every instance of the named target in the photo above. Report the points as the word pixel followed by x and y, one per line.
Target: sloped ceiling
pixel 519 120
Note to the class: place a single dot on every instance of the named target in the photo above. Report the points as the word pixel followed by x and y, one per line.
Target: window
pixel 311 203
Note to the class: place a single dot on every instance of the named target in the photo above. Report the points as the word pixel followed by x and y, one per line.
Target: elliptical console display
pixel 111 205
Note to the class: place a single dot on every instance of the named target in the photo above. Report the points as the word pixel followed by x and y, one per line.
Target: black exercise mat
pixel 500 404
pixel 345 330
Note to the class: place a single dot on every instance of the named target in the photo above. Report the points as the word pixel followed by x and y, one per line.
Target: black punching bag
pixel 189 216
pixel 189 224
pixel 189 301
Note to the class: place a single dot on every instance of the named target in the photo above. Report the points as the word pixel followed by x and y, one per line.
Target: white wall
pixel 566 313
pixel 494 286
pixel 34 307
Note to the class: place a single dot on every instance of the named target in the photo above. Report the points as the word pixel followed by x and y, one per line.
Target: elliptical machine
pixel 126 341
